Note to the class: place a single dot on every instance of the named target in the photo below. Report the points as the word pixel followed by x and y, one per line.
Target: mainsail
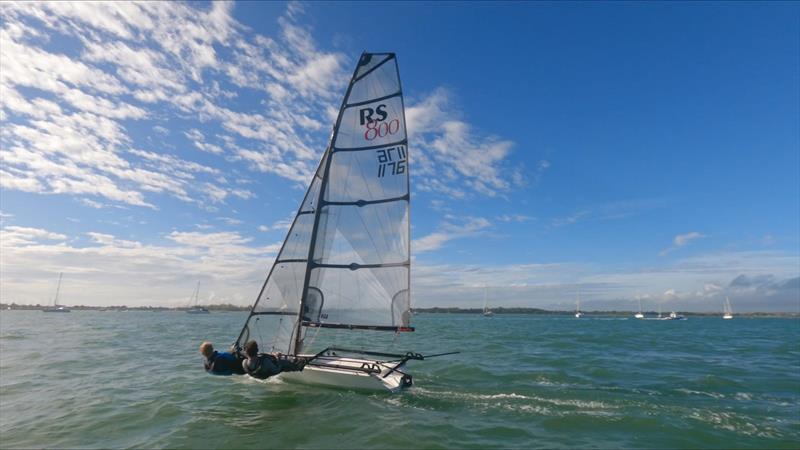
pixel 345 262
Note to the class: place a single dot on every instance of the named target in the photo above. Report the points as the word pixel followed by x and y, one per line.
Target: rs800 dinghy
pixel 345 264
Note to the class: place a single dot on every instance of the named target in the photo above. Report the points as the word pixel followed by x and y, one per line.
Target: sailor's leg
pixel 290 366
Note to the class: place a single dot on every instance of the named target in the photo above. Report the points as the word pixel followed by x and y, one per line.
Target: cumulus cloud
pixel 110 270
pixel 68 132
pixel 754 281
pixel 147 61
pixel 449 152
pixel 234 266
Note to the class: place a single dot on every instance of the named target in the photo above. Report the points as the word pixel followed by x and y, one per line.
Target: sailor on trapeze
pixel 265 365
pixel 256 365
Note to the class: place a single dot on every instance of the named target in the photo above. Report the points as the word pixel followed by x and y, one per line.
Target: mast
pixel 315 229
pixel 408 179
pixel 283 246
pixel 58 288
pixel 196 296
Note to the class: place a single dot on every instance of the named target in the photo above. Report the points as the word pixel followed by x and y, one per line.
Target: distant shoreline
pixel 222 307
pixel 435 310
pixel 546 312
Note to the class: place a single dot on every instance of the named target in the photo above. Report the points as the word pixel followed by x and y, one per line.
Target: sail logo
pixel 374 120
pixel 365 114
pixel 392 160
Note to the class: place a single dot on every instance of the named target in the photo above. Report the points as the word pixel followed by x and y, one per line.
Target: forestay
pixel 345 262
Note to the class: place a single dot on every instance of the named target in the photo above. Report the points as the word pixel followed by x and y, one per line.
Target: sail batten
pixel 366 102
pixel 346 259
pixel 369 147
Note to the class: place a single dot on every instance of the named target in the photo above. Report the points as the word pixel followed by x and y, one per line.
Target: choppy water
pixel 134 379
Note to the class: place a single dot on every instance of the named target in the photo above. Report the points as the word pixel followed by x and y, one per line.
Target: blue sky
pixel 622 150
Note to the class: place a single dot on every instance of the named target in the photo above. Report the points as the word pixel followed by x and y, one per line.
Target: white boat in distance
pixel 486 311
pixel 728 310
pixel 56 308
pixel 673 316
pixel 345 264
pixel 194 307
pixel 639 315
pixel 578 312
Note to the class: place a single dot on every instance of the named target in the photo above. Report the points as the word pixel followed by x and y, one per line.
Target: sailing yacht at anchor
pixel 56 307
pixel 194 307
pixel 487 312
pixel 639 315
pixel 728 314
pixel 345 263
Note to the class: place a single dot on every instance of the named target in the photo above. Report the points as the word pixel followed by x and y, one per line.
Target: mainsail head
pixel 345 262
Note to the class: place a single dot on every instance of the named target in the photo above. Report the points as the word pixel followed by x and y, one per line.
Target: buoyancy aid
pixel 221 364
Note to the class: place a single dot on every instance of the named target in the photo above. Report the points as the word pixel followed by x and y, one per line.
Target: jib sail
pixel 346 260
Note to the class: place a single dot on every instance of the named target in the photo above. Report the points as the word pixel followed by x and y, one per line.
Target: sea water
pixel 96 379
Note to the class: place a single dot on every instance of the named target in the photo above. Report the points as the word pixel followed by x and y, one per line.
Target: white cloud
pixel 230 263
pixel 282 224
pixel 198 140
pixel 112 270
pixel 571 219
pixel 447 151
pixel 230 220
pixel 515 218
pixel 13 235
pixel 142 61
pixel 468 226
pixel 681 240
pixel 110 240
pixel 91 203
pixel 155 53
pixel 695 284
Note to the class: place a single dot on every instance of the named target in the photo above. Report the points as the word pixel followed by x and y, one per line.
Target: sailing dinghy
pixel 345 265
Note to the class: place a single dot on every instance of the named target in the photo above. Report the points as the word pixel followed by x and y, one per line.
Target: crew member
pixel 216 363
pixel 265 365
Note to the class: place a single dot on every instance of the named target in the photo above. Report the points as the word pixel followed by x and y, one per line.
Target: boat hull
pixel 344 372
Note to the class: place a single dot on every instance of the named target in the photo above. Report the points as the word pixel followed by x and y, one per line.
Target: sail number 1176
pixel 391 161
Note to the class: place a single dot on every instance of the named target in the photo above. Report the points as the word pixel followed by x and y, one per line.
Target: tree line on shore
pixel 433 310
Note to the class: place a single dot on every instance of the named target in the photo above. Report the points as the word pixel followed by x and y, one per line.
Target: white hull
pixel 332 371
pixel 727 316
pixel 639 316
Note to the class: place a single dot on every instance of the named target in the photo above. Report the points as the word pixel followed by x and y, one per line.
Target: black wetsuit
pixel 264 366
